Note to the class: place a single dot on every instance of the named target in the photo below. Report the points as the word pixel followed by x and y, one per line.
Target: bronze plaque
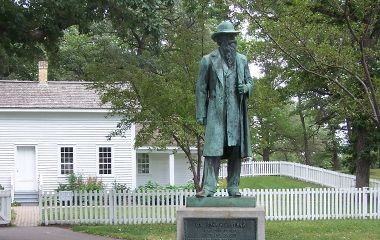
pixel 220 228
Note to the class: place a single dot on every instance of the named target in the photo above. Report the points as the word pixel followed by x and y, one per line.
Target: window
pixel 105 160
pixel 67 160
pixel 142 163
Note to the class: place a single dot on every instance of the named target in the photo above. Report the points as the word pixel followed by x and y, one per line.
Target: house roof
pixel 53 95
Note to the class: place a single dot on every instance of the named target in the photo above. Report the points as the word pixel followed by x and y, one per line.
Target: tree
pixel 282 125
pixel 29 29
pixel 343 57
pixel 154 85
pixel 136 47
pixel 77 51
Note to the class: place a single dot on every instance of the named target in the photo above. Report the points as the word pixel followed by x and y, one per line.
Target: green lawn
pixel 295 230
pixel 273 182
pixel 375 173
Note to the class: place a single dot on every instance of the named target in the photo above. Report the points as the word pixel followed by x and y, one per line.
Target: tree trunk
pixel 286 156
pixel 362 155
pixel 266 154
pixel 334 150
pixel 195 164
pixel 335 157
pixel 307 154
pixel 378 154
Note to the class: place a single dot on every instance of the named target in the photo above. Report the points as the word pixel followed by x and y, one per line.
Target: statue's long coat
pixel 210 103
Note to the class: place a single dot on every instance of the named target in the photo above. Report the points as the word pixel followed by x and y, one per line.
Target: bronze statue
pixel 223 87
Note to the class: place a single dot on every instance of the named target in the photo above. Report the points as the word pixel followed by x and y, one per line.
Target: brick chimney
pixel 42 72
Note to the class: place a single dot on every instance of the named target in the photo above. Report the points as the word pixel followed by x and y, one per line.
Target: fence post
pixel 308 203
pixel 40 206
pixel 253 168
pixel 12 186
pixel 9 206
pixel 114 211
pixel 365 202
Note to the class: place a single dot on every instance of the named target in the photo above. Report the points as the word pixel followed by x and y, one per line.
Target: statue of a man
pixel 223 86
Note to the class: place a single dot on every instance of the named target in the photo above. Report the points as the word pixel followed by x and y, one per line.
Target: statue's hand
pixel 242 88
pixel 202 121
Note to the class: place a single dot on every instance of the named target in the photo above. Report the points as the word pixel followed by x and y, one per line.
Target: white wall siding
pixel 49 131
pixel 158 168
pixel 182 173
pixel 7 152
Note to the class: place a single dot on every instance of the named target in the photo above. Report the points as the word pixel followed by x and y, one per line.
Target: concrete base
pixel 196 223
pixel 221 202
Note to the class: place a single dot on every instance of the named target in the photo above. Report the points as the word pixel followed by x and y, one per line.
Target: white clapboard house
pixel 51 129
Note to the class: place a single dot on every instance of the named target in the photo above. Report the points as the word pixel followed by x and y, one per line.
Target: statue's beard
pixel 229 53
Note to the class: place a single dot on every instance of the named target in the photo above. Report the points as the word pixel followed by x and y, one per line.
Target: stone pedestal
pixel 201 220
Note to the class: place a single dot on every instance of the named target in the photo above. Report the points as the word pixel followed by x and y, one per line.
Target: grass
pixel 375 173
pixel 284 230
pixel 324 230
pixel 271 182
pixel 132 232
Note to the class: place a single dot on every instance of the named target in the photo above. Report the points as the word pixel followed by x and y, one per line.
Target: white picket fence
pixel 110 207
pixel 5 206
pixel 299 171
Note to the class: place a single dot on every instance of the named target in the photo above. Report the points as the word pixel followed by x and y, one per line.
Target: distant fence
pixel 5 207
pixel 299 171
pixel 110 207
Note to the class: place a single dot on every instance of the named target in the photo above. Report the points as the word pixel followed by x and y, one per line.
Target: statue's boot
pixel 234 194
pixel 204 193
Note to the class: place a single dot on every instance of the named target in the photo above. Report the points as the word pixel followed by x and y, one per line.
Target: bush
pixel 120 187
pixel 162 200
pixel 153 186
pixel 76 183
pixel 93 184
pixel 1 187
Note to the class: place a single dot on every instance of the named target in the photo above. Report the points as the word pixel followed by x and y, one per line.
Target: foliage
pixel 166 116
pixel 353 229
pixel 316 83
pixel 286 128
pixel 75 182
pixel 128 48
pixel 13 216
pixel 334 72
pixel 15 204
pixel 1 187
pixel 120 187
pixel 153 186
pixel 30 30
pixel 375 173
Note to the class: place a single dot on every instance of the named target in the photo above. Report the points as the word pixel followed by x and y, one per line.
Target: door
pixel 25 169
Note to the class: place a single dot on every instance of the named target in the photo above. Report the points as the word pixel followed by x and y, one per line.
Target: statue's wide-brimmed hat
pixel 225 27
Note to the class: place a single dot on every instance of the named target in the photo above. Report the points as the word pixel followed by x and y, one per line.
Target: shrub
pixel 120 187
pixel 1 187
pixel 76 183
pixel 162 200
pixel 153 186
pixel 15 204
pixel 93 184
